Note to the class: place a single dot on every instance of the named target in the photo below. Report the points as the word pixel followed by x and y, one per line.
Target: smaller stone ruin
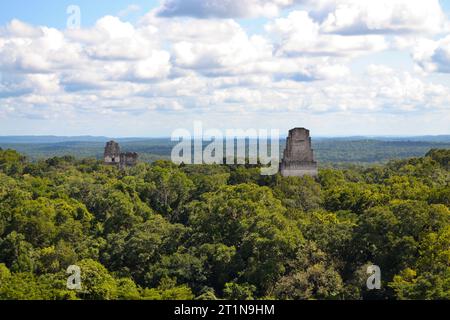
pixel 128 159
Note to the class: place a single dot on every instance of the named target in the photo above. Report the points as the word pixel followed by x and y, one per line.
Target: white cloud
pixel 117 40
pixel 433 56
pixel 40 51
pixel 154 67
pixel 300 64
pixel 217 48
pixel 384 17
pixel 336 16
pixel 17 28
pixel 375 70
pixel 101 60
pixel 299 34
pixel 237 51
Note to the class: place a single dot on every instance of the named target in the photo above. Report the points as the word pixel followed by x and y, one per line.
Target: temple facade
pixel 298 157
pixel 113 156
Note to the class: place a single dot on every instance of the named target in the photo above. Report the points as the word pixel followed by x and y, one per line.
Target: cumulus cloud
pixel 35 51
pixel 384 17
pixel 218 48
pixel 239 52
pixel 17 28
pixel 433 56
pixel 299 34
pixel 112 39
pixel 108 60
pixel 353 17
pixel 299 63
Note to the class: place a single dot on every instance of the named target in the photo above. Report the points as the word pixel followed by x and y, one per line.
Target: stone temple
pixel 298 157
pixel 113 156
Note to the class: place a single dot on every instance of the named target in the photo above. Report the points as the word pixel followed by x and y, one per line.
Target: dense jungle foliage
pixel 161 231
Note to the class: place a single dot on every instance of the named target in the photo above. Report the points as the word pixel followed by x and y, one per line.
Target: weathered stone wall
pixel 113 156
pixel 112 153
pixel 111 160
pixel 299 172
pixel 128 159
pixel 298 158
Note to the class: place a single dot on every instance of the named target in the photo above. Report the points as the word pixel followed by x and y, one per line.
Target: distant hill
pixel 334 151
pixel 49 139
pixel 440 138
pixel 60 139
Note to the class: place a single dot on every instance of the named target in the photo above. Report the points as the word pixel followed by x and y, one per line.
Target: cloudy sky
pixel 145 68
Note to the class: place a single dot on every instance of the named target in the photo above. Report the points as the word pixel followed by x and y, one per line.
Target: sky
pixel 146 68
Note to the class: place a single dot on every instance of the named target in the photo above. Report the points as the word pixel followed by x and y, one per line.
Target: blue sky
pixel 52 13
pixel 45 12
pixel 146 68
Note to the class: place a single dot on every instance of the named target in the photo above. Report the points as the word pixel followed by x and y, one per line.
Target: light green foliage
pixel 441 156
pixel 11 162
pixel 250 219
pixel 299 193
pixel 97 282
pixel 17 253
pixel 135 252
pixel 431 277
pixel 168 290
pixel 311 276
pixel 167 189
pixel 332 232
pixel 127 289
pixel 26 286
pixel 235 291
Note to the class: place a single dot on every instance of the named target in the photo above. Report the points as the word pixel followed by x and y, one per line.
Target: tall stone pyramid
pixel 113 156
pixel 112 153
pixel 298 157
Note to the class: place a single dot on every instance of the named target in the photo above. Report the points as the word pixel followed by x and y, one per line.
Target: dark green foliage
pixel 161 231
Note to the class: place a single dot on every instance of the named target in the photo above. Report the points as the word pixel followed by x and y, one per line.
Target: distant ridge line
pixel 45 139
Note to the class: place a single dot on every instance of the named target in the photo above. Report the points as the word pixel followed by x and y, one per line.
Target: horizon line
pixel 169 137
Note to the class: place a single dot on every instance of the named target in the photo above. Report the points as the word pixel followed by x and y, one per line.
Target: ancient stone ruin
pixel 298 157
pixel 113 156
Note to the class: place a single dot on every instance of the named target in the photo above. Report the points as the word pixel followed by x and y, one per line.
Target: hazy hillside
pixel 358 150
